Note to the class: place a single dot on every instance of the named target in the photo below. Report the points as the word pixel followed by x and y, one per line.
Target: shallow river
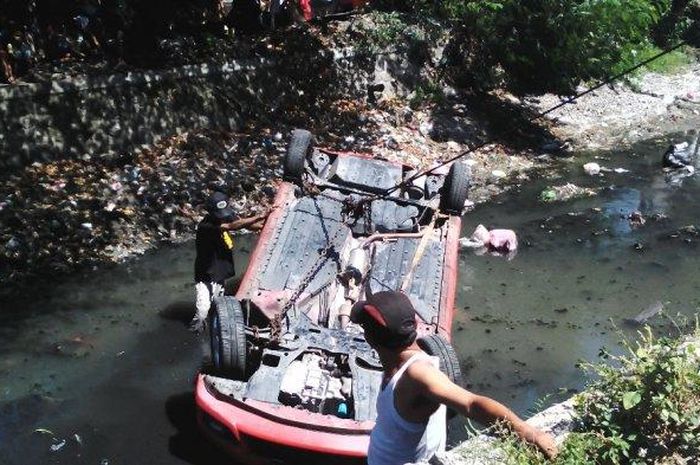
pixel 98 368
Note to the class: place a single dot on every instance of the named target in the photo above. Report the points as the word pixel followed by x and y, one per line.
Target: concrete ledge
pixel 557 420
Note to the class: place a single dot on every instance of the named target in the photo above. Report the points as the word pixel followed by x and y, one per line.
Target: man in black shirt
pixel 214 262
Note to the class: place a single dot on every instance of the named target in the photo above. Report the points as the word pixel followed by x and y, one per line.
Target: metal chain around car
pixel 323 256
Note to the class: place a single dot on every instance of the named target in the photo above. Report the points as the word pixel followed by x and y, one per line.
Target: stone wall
pixel 109 116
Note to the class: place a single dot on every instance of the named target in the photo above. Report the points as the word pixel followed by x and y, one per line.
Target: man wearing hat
pixel 214 262
pixel 411 407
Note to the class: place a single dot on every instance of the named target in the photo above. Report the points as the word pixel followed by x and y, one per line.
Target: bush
pixel 644 408
pixel 552 45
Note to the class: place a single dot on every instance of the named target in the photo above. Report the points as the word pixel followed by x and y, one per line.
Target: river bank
pixel 64 215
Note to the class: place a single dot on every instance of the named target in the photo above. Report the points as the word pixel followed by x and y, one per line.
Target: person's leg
pixel 6 68
pixel 203 297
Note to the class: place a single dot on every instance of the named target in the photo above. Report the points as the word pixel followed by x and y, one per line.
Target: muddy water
pixel 102 366
pixel 98 368
pixel 582 269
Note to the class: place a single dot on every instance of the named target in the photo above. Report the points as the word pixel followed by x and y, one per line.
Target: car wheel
pixel 227 337
pixel 454 190
pixel 436 345
pixel 299 148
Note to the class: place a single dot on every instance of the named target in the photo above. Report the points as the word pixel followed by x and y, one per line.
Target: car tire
pixel 300 147
pixel 455 189
pixel 437 346
pixel 227 338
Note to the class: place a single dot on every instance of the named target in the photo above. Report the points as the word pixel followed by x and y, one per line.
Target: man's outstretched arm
pixel 243 222
pixel 438 387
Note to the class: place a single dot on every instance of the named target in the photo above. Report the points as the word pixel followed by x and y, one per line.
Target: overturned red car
pixel 291 378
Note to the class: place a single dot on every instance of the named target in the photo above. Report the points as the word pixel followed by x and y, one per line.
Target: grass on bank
pixel 643 409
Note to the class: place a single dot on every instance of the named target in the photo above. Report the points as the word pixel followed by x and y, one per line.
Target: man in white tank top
pixel 411 423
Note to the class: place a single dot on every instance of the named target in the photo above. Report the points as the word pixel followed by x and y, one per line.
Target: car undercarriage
pixel 335 235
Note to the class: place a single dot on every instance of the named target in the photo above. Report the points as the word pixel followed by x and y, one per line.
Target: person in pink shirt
pixel 497 241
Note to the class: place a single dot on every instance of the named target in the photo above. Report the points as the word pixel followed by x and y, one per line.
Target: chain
pixel 351 209
pixel 323 256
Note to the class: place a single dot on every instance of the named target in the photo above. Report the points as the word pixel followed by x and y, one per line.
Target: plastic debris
pixel 57 446
pixel 591 168
pixel 43 431
pixel 496 241
pixel 548 195
pixel 566 192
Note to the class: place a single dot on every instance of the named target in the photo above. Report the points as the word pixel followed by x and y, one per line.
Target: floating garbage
pixel 43 431
pixel 592 168
pixel 57 446
pixel 566 192
pixel 496 241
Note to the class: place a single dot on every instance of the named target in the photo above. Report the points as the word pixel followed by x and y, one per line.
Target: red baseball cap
pixel 390 315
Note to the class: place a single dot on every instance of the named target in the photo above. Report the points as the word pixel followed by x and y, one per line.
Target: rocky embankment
pixel 623 113
pixel 60 215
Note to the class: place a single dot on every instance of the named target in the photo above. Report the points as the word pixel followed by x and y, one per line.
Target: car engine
pixel 320 383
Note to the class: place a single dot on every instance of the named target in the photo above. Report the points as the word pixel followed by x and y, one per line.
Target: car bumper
pixel 254 438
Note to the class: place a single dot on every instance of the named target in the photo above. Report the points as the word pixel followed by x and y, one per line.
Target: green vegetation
pixel 553 45
pixel 667 64
pixel 386 29
pixel 644 408
pixel 426 93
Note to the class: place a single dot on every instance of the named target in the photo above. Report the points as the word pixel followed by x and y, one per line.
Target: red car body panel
pixel 273 424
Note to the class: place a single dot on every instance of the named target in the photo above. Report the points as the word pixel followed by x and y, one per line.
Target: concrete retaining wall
pixel 107 117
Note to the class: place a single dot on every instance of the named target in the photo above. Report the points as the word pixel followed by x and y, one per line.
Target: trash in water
pixel 591 168
pixel 496 241
pixel 548 195
pixel 58 446
pixel 43 431
pixel 636 219
pixel 565 192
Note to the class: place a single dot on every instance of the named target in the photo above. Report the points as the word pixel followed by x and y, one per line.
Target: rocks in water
pixel 652 310
pixel 566 192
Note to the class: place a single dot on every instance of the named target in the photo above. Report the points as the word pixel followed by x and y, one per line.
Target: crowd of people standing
pixel 33 31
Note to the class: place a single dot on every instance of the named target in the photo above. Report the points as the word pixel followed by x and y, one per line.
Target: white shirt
pixel 395 441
